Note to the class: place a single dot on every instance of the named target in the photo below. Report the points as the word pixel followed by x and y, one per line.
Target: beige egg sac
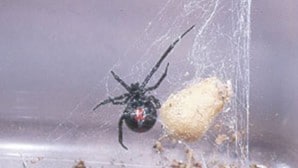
pixel 187 114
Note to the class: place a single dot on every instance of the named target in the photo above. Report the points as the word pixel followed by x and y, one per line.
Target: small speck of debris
pixel 257 166
pixel 180 164
pixel 186 74
pixel 80 164
pixel 217 127
pixel 221 138
pixel 158 147
pixel 36 160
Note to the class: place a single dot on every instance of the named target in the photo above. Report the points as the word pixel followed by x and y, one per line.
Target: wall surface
pixel 51 74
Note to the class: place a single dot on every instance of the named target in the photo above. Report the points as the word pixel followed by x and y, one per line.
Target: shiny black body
pixel 149 116
pixel 141 110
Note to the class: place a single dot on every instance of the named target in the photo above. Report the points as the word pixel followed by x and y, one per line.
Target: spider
pixel 140 112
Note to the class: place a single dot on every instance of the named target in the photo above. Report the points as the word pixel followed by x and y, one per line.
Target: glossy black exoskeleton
pixel 140 113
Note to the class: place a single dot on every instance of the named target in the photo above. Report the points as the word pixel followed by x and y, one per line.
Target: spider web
pixel 218 46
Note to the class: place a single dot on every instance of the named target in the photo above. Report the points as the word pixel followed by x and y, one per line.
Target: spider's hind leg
pixel 120 133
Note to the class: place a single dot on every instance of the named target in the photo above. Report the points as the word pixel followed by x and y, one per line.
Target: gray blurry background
pixel 274 75
pixel 27 85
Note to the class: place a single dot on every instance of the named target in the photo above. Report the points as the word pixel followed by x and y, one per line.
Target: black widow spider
pixel 140 112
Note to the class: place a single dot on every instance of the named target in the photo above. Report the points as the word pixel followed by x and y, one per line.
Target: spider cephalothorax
pixel 141 110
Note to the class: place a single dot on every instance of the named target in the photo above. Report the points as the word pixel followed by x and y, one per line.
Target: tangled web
pixel 218 46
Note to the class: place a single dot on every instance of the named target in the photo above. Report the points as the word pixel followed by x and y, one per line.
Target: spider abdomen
pixel 141 117
pixel 140 113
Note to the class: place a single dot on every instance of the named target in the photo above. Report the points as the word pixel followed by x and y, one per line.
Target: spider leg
pixel 120 134
pixel 120 81
pixel 159 81
pixel 155 101
pixel 169 49
pixel 111 100
pixel 120 102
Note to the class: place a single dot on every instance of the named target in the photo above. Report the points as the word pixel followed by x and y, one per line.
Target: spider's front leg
pixel 121 102
pixel 164 55
pixel 118 79
pixel 159 81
